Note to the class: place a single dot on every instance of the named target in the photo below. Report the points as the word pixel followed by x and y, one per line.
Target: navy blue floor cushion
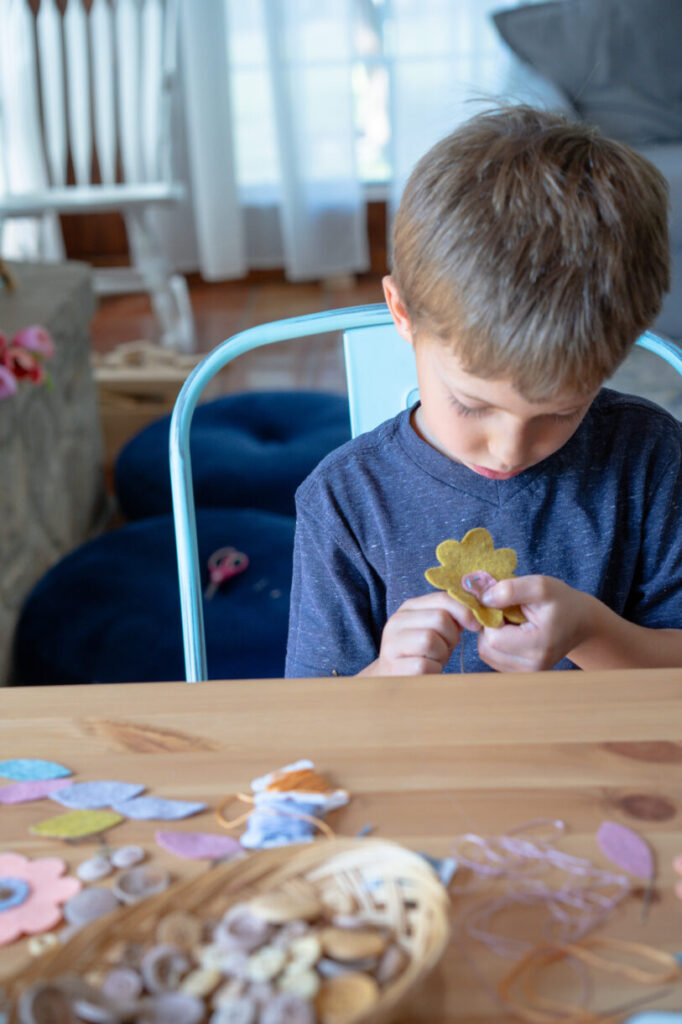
pixel 248 450
pixel 110 612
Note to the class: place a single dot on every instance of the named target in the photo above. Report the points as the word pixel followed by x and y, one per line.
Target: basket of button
pixel 339 931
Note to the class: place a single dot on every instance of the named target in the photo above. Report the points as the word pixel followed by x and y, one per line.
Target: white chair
pixel 102 82
pixel 382 380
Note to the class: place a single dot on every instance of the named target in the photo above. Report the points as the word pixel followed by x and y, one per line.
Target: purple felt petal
pixel 198 845
pixel 90 796
pixel 24 769
pixel 626 849
pixel 36 789
pixel 154 807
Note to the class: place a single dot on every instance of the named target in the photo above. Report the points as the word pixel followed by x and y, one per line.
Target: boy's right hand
pixel 420 636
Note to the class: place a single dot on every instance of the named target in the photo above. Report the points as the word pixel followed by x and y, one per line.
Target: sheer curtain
pixel 283 188
pixel 271 136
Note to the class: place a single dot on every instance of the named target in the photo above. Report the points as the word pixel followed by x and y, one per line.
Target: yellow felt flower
pixel 475 553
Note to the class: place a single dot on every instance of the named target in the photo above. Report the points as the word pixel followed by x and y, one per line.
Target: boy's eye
pixel 468 410
pixel 564 417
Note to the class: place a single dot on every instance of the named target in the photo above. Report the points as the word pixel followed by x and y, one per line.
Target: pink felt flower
pixel 35 339
pixel 23 364
pixel 8 383
pixel 30 895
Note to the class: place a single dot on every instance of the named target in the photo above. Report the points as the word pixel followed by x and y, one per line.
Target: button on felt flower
pixel 470 567
pixel 31 894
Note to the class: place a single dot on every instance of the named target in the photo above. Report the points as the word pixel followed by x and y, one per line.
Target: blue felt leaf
pixel 154 807
pixel 25 769
pixel 90 796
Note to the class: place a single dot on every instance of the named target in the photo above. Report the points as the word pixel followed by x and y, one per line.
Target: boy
pixel 529 254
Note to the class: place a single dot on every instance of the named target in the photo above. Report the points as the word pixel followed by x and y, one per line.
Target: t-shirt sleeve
pixel 335 595
pixel 656 598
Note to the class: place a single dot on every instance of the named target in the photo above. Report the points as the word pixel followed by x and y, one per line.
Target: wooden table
pixel 424 759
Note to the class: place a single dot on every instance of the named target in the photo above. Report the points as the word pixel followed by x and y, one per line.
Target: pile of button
pixel 281 958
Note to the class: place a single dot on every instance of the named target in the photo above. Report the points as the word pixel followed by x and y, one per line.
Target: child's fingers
pixel 520 590
pixel 440 599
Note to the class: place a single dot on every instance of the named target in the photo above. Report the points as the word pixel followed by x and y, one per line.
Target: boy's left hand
pixel 557 621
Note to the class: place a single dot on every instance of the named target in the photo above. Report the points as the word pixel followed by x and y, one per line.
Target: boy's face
pixel 484 424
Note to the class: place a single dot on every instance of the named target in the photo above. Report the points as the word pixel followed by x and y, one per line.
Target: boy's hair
pixel 534 245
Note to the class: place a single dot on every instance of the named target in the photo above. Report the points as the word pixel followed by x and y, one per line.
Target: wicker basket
pixel 390 886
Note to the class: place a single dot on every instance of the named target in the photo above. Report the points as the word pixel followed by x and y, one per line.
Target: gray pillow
pixel 618 61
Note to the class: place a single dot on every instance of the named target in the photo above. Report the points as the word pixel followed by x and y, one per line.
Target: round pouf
pixel 110 612
pixel 248 450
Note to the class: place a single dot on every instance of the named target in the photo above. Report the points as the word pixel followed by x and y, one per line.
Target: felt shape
pixel 75 824
pixel 475 556
pixel 13 892
pixel 626 849
pixel 93 795
pixel 148 808
pixel 23 769
pixel 40 910
pixel 35 789
pixel 198 845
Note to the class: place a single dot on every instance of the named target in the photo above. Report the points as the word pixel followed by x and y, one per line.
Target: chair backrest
pixel 95 79
pixel 381 381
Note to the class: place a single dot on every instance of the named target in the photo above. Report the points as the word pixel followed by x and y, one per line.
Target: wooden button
pixel 281 905
pixel 179 929
pixel 342 999
pixel 305 951
pixel 392 963
pixel 266 963
pixel 351 943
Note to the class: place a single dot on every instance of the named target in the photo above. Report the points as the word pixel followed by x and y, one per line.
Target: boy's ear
pixel 396 305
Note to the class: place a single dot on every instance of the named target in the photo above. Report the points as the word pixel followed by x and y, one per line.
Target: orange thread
pixel 542 956
pixel 305 780
pixel 245 798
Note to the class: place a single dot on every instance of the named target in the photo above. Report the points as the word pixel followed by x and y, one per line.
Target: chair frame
pixel 184 513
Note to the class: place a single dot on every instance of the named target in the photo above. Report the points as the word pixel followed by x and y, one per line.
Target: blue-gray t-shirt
pixel 602 514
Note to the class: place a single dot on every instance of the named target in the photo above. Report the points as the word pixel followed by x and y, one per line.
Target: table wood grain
pixel 425 760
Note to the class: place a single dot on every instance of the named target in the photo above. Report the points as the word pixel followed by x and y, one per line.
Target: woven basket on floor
pixel 390 886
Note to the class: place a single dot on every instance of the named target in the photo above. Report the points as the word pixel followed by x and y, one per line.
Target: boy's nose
pixel 509 449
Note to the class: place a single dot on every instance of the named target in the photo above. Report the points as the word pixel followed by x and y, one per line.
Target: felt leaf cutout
pixel 198 845
pixel 23 769
pixel 475 555
pixel 626 849
pixel 154 807
pixel 75 824
pixel 34 789
pixel 92 795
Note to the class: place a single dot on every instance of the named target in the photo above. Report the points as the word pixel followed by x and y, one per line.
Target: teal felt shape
pixel 25 769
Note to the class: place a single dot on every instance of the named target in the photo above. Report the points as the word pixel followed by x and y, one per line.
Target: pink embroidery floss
pixel 577 895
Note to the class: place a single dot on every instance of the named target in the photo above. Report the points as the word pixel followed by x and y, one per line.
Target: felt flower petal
pixel 41 909
pixel 75 824
pixel 26 768
pixel 198 845
pixel 626 848
pixel 475 553
pixel 93 795
pixel 34 789
pixel 154 807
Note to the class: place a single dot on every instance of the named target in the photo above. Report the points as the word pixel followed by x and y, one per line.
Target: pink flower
pixel 35 339
pixel 3 344
pixel 8 383
pixel 23 364
pixel 30 895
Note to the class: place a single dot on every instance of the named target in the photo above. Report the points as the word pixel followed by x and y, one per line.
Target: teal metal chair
pixel 382 380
